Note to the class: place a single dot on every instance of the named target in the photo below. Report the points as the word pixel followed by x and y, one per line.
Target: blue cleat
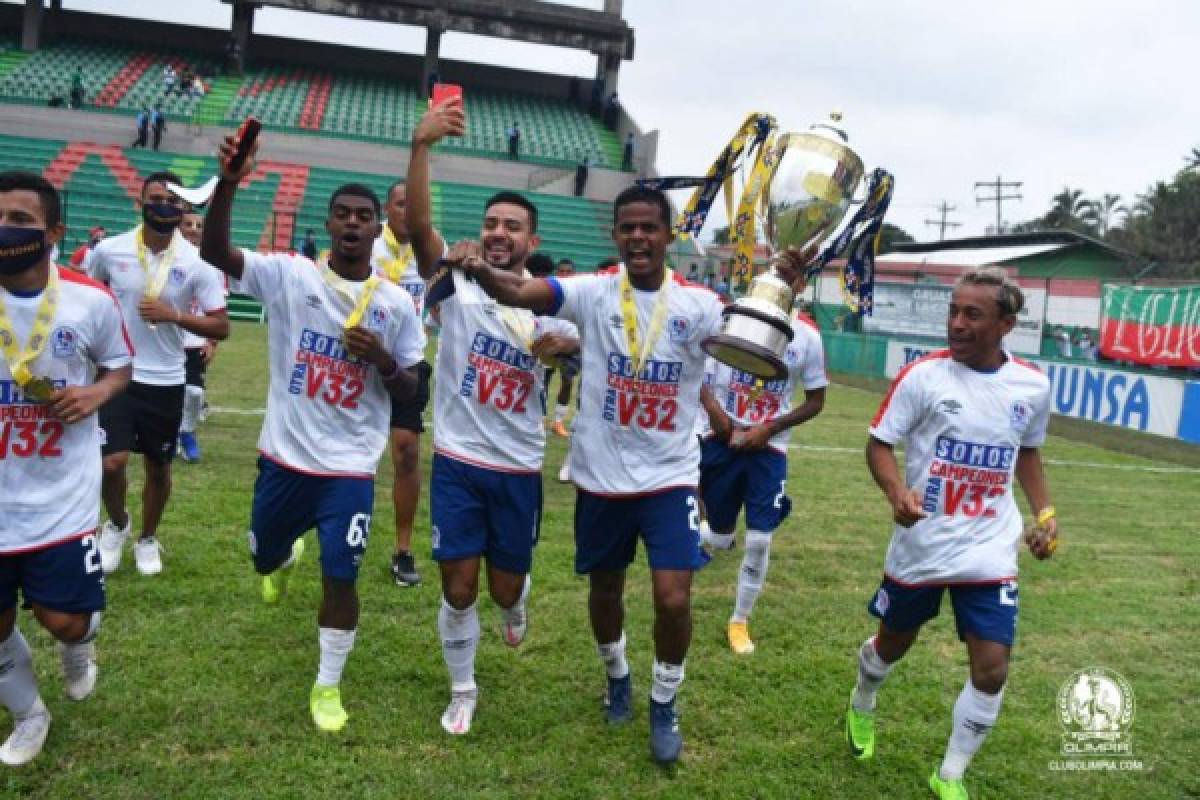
pixel 665 739
pixel 189 446
pixel 618 700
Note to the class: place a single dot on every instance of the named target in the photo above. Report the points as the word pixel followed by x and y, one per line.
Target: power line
pixel 998 197
pixel 944 223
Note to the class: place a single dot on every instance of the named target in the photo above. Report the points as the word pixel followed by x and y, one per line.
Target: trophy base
pixel 746 356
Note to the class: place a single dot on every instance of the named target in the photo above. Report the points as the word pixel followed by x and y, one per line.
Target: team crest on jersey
pixel 312 301
pixel 680 328
pixel 791 356
pixel 64 342
pixel 1018 415
pixel 177 276
pixel 377 319
pixel 949 406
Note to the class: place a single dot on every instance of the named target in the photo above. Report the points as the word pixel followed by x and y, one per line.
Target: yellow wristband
pixel 1046 514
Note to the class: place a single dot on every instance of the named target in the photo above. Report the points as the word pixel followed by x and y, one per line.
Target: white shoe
pixel 79 668
pixel 147 554
pixel 516 623
pixel 27 738
pixel 564 475
pixel 112 542
pixel 457 719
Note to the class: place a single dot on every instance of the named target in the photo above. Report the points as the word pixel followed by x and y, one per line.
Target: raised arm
pixel 506 287
pixel 216 246
pixel 445 119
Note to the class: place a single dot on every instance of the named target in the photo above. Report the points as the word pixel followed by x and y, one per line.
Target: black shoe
pixel 404 571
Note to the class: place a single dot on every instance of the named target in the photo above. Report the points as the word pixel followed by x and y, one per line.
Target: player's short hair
pixel 395 184
pixel 1009 296
pixel 517 200
pixel 640 194
pixel 355 190
pixel 608 263
pixel 161 177
pixel 21 180
pixel 539 265
pixel 566 262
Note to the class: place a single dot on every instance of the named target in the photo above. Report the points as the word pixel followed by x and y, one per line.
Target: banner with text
pixel 920 309
pixel 1114 397
pixel 1148 325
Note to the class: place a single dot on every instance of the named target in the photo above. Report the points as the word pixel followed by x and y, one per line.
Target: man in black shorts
pixel 198 354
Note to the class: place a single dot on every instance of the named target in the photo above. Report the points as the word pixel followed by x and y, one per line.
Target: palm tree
pixel 1068 210
pixel 1193 159
pixel 1099 213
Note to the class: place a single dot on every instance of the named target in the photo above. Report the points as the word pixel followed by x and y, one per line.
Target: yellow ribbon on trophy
pixel 19 358
pixel 156 280
pixel 639 349
pixel 395 267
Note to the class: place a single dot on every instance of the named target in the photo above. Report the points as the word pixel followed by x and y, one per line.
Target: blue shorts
pixel 477 511
pixel 607 530
pixel 730 479
pixel 64 577
pixel 988 611
pixel 288 503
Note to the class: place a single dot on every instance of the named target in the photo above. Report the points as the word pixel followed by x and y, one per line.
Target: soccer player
pixel 342 345
pixel 198 354
pixel 744 458
pixel 634 454
pixel 157 277
pixel 971 417
pixel 485 493
pixel 57 328
pixel 393 259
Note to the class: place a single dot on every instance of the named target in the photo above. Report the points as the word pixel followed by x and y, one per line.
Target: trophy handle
pixel 862 186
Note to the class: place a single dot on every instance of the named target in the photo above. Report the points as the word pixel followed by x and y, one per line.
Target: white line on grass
pixel 1052 461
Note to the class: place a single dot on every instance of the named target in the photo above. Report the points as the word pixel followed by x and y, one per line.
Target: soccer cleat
pixel 515 624
pixel 618 700
pixel 739 639
pixel 27 738
pixel 79 669
pixel 189 448
pixel 404 570
pixel 665 739
pixel 560 429
pixel 457 718
pixel 860 732
pixel 564 474
pixel 147 556
pixel 112 543
pixel 274 585
pixel 947 790
pixel 325 703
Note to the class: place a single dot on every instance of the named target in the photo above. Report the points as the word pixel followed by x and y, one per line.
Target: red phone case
pixel 445 91
pixel 246 135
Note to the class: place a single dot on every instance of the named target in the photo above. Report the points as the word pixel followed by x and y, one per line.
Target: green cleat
pixel 274 585
pixel 947 790
pixel 860 732
pixel 325 702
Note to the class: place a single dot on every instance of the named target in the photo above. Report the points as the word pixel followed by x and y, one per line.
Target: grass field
pixel 203 690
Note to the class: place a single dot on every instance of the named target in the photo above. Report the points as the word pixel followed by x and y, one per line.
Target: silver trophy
pixel 808 192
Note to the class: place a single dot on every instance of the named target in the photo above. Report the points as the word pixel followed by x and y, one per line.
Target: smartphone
pixel 246 135
pixel 445 91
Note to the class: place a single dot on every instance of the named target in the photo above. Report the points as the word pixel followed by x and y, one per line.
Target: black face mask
pixel 20 248
pixel 162 217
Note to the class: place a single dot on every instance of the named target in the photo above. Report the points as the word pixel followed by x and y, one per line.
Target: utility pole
pixel 998 196
pixel 944 223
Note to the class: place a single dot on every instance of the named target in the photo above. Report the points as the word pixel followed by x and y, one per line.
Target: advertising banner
pixel 1147 325
pixel 920 309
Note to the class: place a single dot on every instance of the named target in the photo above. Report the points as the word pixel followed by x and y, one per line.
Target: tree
pixel 1193 159
pixel 1164 228
pixel 1068 211
pixel 1100 213
pixel 891 235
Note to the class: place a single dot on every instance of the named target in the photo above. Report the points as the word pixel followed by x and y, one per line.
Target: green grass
pixel 203 690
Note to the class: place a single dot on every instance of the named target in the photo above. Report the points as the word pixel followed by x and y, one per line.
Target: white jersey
pixel 50 471
pixel 635 434
pixel 114 261
pixel 962 431
pixel 191 340
pixel 489 397
pixel 410 279
pixel 749 404
pixel 327 411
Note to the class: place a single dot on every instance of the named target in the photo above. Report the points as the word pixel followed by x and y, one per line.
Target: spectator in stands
pixel 158 122
pixel 1087 349
pixel 566 268
pixel 95 236
pixel 610 112
pixel 627 153
pixel 309 248
pixel 169 79
pixel 77 88
pixel 514 142
pixel 187 82
pixel 581 175
pixel 1064 342
pixel 540 265
pixel 143 127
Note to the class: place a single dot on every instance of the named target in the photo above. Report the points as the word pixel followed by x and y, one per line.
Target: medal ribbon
pixel 395 267
pixel 345 288
pixel 19 358
pixel 640 350
pixel 158 279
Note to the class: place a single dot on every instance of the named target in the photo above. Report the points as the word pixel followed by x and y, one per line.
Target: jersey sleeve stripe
pixel 559 297
pixel 887 398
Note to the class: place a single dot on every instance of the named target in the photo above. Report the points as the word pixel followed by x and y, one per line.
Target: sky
pixel 1097 96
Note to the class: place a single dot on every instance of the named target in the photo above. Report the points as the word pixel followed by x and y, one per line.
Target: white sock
pixel 18 685
pixel 560 412
pixel 753 573
pixel 460 640
pixel 336 645
pixel 193 401
pixel 721 541
pixel 974 715
pixel 613 655
pixel 667 678
pixel 519 606
pixel 871 671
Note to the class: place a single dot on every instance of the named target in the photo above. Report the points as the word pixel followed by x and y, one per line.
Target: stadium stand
pixel 301 100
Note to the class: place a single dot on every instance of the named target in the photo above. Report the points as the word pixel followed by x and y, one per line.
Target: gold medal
pixel 18 358
pixel 39 390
